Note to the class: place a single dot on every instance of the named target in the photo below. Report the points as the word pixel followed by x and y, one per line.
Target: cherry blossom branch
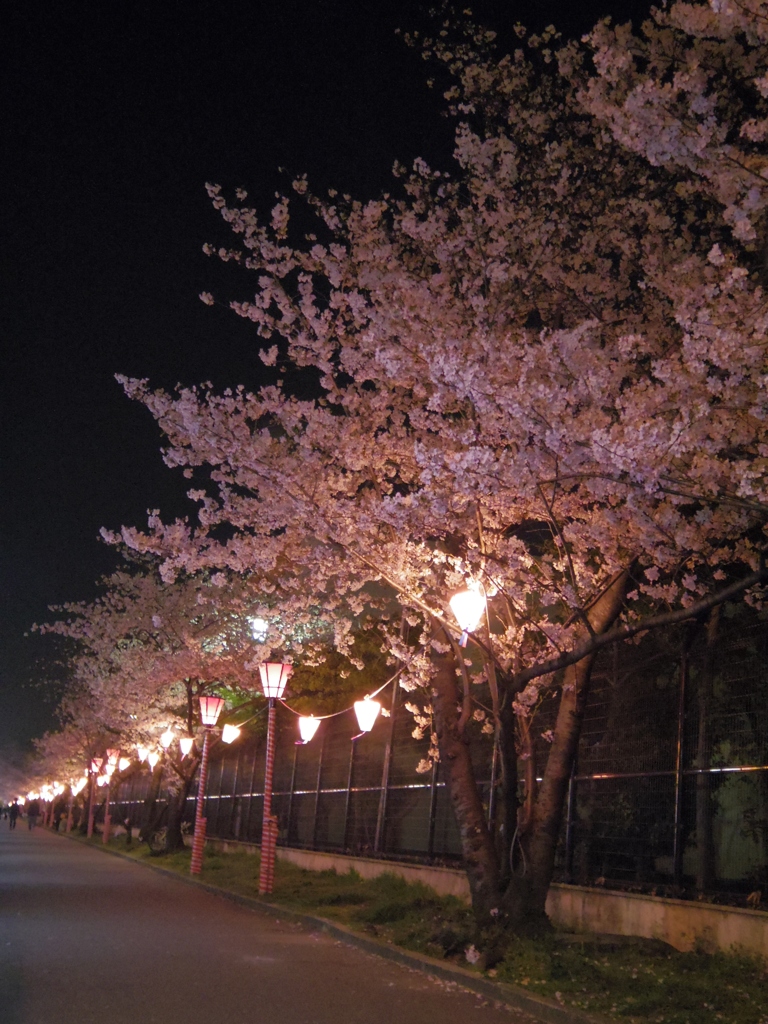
pixel 520 679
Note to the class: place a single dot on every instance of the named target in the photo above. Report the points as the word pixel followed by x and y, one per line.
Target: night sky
pixel 114 117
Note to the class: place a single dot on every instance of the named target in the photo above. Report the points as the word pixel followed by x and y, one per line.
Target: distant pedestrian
pixel 13 813
pixel 33 809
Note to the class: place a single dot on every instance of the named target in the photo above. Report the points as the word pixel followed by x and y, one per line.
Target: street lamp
pixel 274 676
pixel 210 709
pixel 468 607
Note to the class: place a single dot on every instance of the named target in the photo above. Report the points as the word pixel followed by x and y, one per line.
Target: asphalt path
pixel 86 937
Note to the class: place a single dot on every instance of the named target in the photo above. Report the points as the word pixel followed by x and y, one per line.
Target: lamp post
pixel 274 676
pixel 210 709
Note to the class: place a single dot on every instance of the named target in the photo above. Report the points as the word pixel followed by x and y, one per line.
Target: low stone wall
pixel 683 924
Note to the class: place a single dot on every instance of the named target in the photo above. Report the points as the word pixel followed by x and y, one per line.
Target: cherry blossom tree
pixel 540 371
pixel 146 652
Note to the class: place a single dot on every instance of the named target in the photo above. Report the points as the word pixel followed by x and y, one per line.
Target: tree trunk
pixel 177 802
pixel 151 818
pixel 525 897
pixel 479 855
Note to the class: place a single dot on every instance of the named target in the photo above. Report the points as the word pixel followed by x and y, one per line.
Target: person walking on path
pixel 13 813
pixel 33 809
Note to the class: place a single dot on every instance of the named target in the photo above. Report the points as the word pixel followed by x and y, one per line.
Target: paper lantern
pixel 367 712
pixel 230 733
pixel 274 676
pixel 308 726
pixel 186 745
pixel 210 709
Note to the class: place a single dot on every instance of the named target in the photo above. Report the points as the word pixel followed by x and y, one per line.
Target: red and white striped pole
pixel 107 815
pixel 198 843
pixel 268 822
pixel 91 804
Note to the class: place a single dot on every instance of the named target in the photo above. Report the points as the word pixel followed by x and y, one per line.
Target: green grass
pixel 626 981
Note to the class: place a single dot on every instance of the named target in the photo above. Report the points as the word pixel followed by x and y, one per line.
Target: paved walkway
pixel 85 937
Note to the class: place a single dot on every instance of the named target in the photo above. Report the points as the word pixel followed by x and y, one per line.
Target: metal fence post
pixel 384 794
pixel 677 845
pixel 250 795
pixel 317 790
pixel 348 799
pixel 432 809
pixel 290 794
pixel 233 801
pixel 215 829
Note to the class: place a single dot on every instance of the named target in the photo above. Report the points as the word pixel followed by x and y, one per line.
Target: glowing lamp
pixel 274 676
pixel 79 786
pixel 308 727
pixel 259 629
pixel 166 739
pixel 152 758
pixel 111 763
pixel 96 764
pixel 102 780
pixel 467 607
pixel 230 733
pixel 143 753
pixel 186 745
pixel 210 709
pixel 367 712
pixel 123 763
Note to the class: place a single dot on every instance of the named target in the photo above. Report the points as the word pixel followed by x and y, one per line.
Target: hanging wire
pixel 334 714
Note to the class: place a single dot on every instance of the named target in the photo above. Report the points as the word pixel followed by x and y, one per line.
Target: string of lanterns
pixel 467 607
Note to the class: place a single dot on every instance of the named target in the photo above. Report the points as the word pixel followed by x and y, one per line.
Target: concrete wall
pixel 681 923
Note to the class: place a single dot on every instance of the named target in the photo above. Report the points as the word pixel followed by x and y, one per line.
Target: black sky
pixel 114 116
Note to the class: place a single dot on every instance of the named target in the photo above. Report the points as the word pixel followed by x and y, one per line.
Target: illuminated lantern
pixel 274 676
pixel 468 607
pixel 367 712
pixel 230 733
pixel 166 739
pixel 186 745
pixel 308 727
pixel 96 764
pixel 123 763
pixel 102 780
pixel 210 709
pixel 153 757
pixel 143 753
pixel 259 629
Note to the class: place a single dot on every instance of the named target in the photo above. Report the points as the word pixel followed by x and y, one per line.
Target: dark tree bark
pixel 501 898
pixel 152 817
pixel 526 895
pixel 480 859
pixel 177 801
